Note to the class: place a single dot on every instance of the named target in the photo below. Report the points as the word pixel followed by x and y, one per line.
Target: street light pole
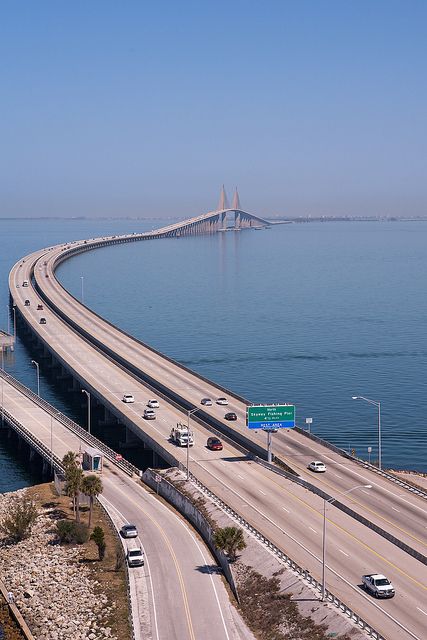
pixel 88 409
pixel 8 319
pixel 82 289
pixel 189 413
pixel 378 405
pixel 14 322
pixel 331 501
pixel 36 364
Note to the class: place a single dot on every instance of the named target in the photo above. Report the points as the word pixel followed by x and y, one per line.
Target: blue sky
pixel 145 109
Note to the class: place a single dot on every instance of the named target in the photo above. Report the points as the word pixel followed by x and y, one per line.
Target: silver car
pixel 129 531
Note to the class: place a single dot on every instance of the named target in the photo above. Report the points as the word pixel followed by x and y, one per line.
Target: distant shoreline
pixel 299 219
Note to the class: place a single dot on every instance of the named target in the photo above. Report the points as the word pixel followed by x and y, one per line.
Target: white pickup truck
pixel 378 585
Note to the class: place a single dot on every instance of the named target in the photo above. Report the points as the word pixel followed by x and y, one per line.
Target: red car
pixel 214 444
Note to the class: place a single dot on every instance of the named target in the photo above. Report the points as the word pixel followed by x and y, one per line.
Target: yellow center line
pixel 389 522
pixel 349 534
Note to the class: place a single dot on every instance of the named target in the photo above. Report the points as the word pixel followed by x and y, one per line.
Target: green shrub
pixel 21 517
pixel 99 539
pixel 69 531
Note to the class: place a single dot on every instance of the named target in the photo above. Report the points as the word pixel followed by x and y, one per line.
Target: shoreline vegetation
pixel 63 590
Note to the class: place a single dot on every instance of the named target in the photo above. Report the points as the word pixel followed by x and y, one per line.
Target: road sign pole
pixel 269 446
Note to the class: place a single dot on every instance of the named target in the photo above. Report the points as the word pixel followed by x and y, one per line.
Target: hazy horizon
pixel 144 111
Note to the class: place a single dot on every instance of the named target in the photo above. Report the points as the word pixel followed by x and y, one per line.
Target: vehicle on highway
pixel 129 531
pixel 27 303
pixel 214 444
pixel 222 401
pixel 149 414
pixel 135 557
pixel 25 283
pixel 378 585
pixel 128 397
pixel 39 307
pixel 317 466
pixel 42 320
pixel 230 416
pixel 181 436
pixel 153 404
pixel 206 401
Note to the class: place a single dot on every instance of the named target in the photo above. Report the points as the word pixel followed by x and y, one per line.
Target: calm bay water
pixel 311 314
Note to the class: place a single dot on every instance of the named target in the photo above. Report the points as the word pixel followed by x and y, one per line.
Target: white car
pixel 222 401
pixel 153 404
pixel 317 466
pixel 128 397
pixel 129 531
pixel 149 414
pixel 135 557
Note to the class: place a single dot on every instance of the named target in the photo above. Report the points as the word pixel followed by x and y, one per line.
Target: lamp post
pixel 331 501
pixel 37 366
pixel 8 319
pixel 82 289
pixel 51 438
pixel 2 387
pixel 88 409
pixel 189 413
pixel 14 322
pixel 378 405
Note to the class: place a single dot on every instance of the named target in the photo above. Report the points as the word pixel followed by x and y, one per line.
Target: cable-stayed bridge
pixel 216 221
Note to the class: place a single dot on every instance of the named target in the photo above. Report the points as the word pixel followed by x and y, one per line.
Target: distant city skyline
pixel 145 110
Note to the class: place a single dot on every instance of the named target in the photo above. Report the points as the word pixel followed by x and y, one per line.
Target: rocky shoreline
pixel 53 586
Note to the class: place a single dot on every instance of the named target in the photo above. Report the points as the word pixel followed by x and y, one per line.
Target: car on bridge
pixel 230 416
pixel 222 401
pixel 39 307
pixel 27 303
pixel 128 397
pixel 214 444
pixel 317 466
pixel 153 404
pixel 129 531
pixel 42 321
pixel 149 414
pixel 207 402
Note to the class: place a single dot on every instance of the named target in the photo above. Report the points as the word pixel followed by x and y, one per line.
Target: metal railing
pixel 90 439
pixel 285 559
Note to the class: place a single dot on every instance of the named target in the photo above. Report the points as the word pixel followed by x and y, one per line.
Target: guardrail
pixel 128 594
pixel 350 512
pixel 385 474
pixel 285 559
pixel 90 439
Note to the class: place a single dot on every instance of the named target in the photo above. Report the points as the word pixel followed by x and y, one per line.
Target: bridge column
pixel 237 220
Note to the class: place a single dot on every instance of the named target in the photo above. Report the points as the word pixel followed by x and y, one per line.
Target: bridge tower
pixel 223 204
pixel 236 206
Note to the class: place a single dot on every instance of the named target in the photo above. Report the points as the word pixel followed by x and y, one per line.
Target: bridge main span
pixel 216 221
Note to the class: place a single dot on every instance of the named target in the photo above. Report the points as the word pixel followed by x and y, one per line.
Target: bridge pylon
pixel 236 201
pixel 223 200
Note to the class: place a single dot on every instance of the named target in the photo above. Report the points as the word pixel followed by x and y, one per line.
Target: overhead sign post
pixel 270 416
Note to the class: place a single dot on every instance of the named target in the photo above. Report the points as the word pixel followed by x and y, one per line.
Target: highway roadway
pixel 388 506
pixel 178 586
pixel 289 515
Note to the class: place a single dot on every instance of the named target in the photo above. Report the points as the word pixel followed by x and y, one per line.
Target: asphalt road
pixel 179 593
pixel 289 515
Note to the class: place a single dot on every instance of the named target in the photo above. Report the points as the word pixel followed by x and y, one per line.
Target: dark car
pixel 214 444
pixel 27 303
pixel 206 401
pixel 42 320
pixel 39 307
pixel 230 416
pixel 129 531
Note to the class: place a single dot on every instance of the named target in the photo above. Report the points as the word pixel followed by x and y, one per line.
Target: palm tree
pixel 69 460
pixel 92 487
pixel 230 540
pixel 73 480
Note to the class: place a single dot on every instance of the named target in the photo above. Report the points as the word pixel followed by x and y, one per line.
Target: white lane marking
pixel 263 493
pixel 239 476
pixel 424 612
pixel 313 529
pixel 287 511
pixel 364 491
pixel 394 509
pixel 337 475
pixel 312 554
pixel 343 552
pixel 148 567
pixel 368 479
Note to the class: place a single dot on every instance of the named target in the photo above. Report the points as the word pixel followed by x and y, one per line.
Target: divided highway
pixel 289 515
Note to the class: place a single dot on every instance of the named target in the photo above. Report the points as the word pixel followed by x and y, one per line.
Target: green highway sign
pixel 270 416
